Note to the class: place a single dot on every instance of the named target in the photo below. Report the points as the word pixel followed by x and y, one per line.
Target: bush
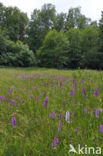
pixel 54 51
pixel 17 54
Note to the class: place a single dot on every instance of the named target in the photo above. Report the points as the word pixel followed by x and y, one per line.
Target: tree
pixel 35 31
pixel 15 54
pixel 54 51
pixel 75 19
pixel 89 44
pixel 74 55
pixel 101 33
pixel 60 22
pixel 94 24
pixel 41 22
pixel 24 57
pixel 15 21
pixel 48 16
pixel 2 12
pixel 3 41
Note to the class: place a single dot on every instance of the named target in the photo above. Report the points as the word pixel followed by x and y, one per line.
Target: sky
pixel 90 8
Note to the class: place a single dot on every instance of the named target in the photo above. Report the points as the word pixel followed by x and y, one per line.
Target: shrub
pixel 54 51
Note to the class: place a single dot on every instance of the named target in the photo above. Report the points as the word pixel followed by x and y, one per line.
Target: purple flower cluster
pixel 101 128
pixel 96 93
pixel 13 102
pixel 72 92
pixel 60 126
pixel 85 110
pixel 52 115
pixel 55 142
pixel 84 92
pixel 13 121
pixel 45 102
pixel 0 99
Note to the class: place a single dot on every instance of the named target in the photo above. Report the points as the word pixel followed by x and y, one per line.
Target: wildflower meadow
pixel 44 111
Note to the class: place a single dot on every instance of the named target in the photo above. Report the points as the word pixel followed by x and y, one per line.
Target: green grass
pixel 34 132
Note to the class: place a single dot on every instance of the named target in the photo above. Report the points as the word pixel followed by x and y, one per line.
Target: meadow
pixel 34 104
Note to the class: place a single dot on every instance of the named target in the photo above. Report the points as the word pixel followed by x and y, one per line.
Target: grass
pixel 22 93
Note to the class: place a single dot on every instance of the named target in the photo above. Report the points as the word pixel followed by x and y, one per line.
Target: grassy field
pixel 33 106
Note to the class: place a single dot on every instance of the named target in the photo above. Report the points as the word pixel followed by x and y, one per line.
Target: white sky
pixel 91 8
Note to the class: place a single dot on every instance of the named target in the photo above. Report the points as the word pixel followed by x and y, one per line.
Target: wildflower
pixel 13 121
pixel 44 103
pixel 73 101
pixel 101 110
pixel 101 128
pixel 63 106
pixel 49 115
pixel 82 82
pixel 55 140
pixel 37 98
pixel 93 111
pixel 73 81
pixel 72 92
pixel 75 130
pixel 6 99
pixel 59 129
pixel 97 113
pixel 53 145
pixel 75 85
pixel 97 89
pixel 12 102
pixel 0 99
pixel 83 91
pixel 96 92
pixel 31 95
pixel 46 99
pixel 53 114
pixel 61 116
pixel 41 94
pixel 60 124
pixel 9 91
pixel 67 117
pixel 85 110
pixel 60 82
pixel 16 98
pixel 67 100
pixel 72 113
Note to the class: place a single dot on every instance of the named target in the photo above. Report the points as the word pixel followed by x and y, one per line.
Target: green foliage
pixel 24 56
pixel 17 54
pixel 75 19
pixel 101 33
pixel 58 40
pixel 60 22
pixel 14 21
pixel 54 51
pixel 3 41
pixel 89 44
pixel 74 55
pixel 41 22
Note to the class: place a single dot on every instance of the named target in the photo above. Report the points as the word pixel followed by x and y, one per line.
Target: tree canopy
pixel 50 39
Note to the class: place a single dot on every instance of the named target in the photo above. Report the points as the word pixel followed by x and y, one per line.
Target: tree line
pixel 50 39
